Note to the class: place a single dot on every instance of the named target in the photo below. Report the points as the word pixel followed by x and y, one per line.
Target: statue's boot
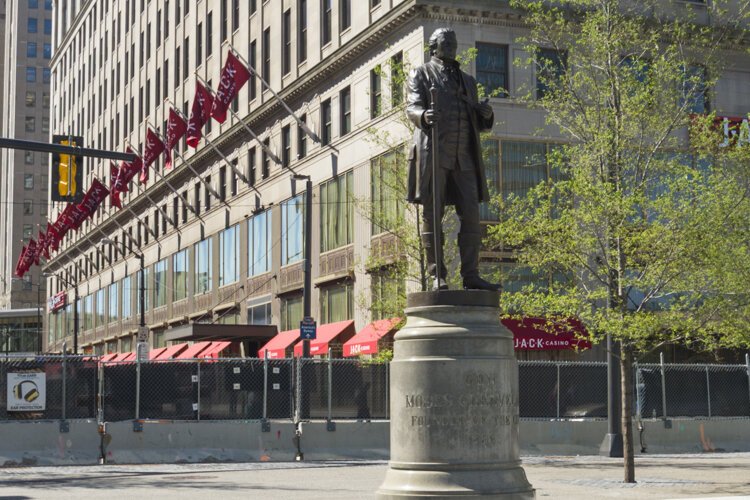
pixel 429 245
pixel 469 245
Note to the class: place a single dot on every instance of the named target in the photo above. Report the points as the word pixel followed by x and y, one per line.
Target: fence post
pixel 663 387
pixel 638 395
pixel 747 365
pixel 64 381
pixel 137 387
pixel 265 385
pixel 199 390
pixel 330 425
pixel 708 391
pixel 558 389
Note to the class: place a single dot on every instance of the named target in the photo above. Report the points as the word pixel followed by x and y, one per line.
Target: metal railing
pixel 80 387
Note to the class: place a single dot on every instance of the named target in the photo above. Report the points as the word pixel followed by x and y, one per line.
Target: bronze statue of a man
pixel 460 178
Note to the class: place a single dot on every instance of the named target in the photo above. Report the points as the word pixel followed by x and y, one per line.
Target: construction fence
pixel 77 387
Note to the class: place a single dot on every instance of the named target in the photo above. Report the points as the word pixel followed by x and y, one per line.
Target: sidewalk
pixel 587 477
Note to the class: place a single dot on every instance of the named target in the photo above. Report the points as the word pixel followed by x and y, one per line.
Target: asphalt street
pixel 725 475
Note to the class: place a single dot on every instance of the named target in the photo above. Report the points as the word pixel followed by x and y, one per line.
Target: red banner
pixel 176 128
pixel 154 147
pixel 233 77
pixel 536 334
pixel 94 196
pixel 57 301
pixel 199 114
pixel 20 269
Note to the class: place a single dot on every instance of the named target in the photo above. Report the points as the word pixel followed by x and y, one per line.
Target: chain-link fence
pixel 74 387
pixel 47 387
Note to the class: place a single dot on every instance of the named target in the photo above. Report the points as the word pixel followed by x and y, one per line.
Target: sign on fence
pixel 27 391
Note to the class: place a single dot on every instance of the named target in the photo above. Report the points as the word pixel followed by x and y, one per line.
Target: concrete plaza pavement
pixel 713 476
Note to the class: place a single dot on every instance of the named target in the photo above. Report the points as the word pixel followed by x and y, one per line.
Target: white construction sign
pixel 27 391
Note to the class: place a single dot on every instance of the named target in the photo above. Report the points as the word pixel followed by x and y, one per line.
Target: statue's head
pixel 443 44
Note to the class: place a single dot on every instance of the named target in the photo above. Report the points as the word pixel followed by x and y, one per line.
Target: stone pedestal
pixel 454 402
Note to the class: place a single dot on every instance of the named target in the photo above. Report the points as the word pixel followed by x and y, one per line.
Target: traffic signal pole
pixel 45 147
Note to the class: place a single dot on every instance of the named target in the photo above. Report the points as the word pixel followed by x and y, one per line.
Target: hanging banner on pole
pixel 67 171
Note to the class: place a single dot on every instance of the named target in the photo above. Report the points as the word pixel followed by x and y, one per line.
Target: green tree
pixel 645 218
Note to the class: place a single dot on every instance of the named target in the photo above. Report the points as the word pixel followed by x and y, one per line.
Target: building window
pixel 114 304
pixel 336 212
pixel 28 157
pixel 253 63
pixel 28 207
pixel 523 165
pixel 30 99
pixel 209 34
pixel 397 79
pixel 374 3
pixel 327 13
pixel 259 315
pixel 286 33
pixel 33 4
pixel 259 243
pixel 160 283
pixel 30 74
pixel 88 312
pixel 492 69
pixel 267 55
pixel 301 139
pixel 251 160
pixel 695 89
pixel 550 64
pixel 127 295
pixel 199 45
pixel 302 31
pixel 336 302
pixel 28 181
pixel 293 227
pixel 47 51
pixel 28 231
pixel 31 25
pixel 345 107
pixel 179 275
pixel 491 157
pixel 224 26
pixel 100 307
pixel 325 121
pixel 30 124
pixel 223 183
pixel 236 15
pixel 207 194
pixel 292 311
pixel 30 49
pixel 45 124
pixel 376 97
pixel 387 179
pixel 48 26
pixel 345 14
pixel 229 251
pixel 203 267
pixel 286 146
pixel 388 294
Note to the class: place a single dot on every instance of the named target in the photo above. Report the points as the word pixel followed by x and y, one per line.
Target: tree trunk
pixel 626 378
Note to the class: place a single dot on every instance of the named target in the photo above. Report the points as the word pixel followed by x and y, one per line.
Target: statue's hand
pixel 485 110
pixel 431 116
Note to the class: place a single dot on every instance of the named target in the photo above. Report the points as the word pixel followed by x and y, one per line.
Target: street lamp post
pixel 142 344
pixel 307 266
pixel 75 307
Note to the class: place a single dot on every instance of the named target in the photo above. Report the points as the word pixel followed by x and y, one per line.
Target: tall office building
pixel 25 50
pixel 220 247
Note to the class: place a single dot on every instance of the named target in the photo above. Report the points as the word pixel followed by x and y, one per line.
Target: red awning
pixel 128 356
pixel 278 344
pixel 533 334
pixel 109 357
pixel 155 353
pixel 366 341
pixel 194 350
pixel 171 352
pixel 341 331
pixel 215 349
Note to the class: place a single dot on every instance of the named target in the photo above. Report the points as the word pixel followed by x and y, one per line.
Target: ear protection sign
pixel 26 390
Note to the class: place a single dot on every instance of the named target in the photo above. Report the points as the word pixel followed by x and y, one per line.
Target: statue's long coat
pixel 420 156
